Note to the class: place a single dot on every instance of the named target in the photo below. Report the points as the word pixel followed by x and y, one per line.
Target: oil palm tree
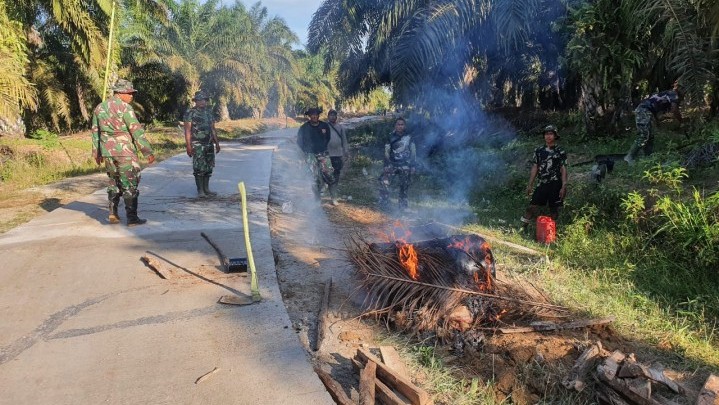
pixel 16 91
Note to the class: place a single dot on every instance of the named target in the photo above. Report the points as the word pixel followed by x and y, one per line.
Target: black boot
pixel 113 200
pixel 199 182
pixel 206 186
pixel 131 209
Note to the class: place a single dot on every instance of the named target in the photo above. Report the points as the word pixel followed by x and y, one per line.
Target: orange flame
pixel 408 257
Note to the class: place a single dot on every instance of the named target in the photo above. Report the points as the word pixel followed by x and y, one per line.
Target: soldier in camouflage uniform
pixel 400 157
pixel 657 104
pixel 199 139
pixel 549 165
pixel 117 137
pixel 313 138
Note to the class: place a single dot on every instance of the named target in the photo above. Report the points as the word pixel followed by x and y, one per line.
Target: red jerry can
pixel 546 230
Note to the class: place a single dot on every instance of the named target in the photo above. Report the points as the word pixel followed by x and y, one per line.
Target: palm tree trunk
pixel 589 105
pixel 224 110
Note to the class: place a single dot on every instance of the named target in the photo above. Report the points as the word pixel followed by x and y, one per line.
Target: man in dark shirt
pixel 313 138
pixel 550 169
pixel 400 158
pixel 660 103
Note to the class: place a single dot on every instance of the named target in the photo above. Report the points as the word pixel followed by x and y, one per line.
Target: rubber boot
pixel 333 194
pixel 206 186
pixel 632 154
pixel 199 182
pixel 131 209
pixel 113 201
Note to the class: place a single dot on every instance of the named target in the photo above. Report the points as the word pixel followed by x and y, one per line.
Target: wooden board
pixel 392 360
pixel 416 395
pixel 334 388
pixel 709 395
pixel 367 383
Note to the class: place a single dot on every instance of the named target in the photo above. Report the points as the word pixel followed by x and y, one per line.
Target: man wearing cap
pixel 338 150
pixel 200 136
pixel 549 167
pixel 117 137
pixel 313 138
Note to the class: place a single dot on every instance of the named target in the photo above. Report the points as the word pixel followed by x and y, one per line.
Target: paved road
pixel 83 321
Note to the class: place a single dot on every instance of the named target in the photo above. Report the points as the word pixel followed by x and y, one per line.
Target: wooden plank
pixel 368 375
pixel 585 362
pixel 607 374
pixel 334 388
pixel 634 369
pixel 322 316
pixel 392 360
pixel 416 395
pixel 157 267
pixel 709 395
pixel 561 326
pixel 386 395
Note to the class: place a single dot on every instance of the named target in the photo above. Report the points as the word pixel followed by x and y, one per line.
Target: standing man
pixel 200 136
pixel 550 165
pixel 313 138
pixel 400 158
pixel 116 138
pixel 660 103
pixel 337 149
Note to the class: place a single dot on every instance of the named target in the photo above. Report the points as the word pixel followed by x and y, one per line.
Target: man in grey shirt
pixel 338 150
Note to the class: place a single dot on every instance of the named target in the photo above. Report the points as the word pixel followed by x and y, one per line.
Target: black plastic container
pixel 237 265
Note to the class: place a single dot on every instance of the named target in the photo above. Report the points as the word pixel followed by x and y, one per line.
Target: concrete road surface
pixel 84 321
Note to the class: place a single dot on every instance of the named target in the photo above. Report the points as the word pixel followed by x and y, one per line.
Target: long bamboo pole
pixel 250 258
pixel 109 51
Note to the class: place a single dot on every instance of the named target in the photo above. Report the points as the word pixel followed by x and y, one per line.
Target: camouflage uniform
pixel 313 141
pixel 400 158
pixel 117 136
pixel 646 110
pixel 203 151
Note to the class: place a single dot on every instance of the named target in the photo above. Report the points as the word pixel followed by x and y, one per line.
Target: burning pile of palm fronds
pixel 442 285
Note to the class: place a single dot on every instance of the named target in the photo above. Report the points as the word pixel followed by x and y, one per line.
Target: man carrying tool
pixel 400 159
pixel 313 138
pixel 200 136
pixel 660 103
pixel 549 166
pixel 116 137
pixel 338 150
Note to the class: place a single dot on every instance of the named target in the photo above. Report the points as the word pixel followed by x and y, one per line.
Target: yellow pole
pixel 250 259
pixel 109 51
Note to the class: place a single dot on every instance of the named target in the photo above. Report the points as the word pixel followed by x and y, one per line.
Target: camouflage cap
pixel 551 128
pixel 123 86
pixel 200 95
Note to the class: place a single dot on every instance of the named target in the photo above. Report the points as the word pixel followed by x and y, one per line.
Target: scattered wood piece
pixel 157 267
pixel 223 259
pixel 333 387
pixel 585 362
pixel 709 395
pixel 631 368
pixel 550 326
pixel 416 395
pixel 322 316
pixel 206 375
pixel 385 394
pixel 236 300
pixel 392 360
pixel 633 390
pixel 368 375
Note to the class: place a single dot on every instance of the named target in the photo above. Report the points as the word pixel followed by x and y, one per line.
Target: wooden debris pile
pixel 619 379
pixel 379 382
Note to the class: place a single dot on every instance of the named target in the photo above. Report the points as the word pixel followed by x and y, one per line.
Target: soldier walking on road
pixel 117 136
pixel 313 138
pixel 400 158
pixel 200 136
pixel 338 150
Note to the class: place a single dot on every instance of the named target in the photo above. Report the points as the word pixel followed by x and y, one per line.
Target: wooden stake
pixel 333 387
pixel 155 266
pixel 367 383
pixel 562 326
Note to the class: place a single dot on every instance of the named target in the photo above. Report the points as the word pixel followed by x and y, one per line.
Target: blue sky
pixel 297 13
